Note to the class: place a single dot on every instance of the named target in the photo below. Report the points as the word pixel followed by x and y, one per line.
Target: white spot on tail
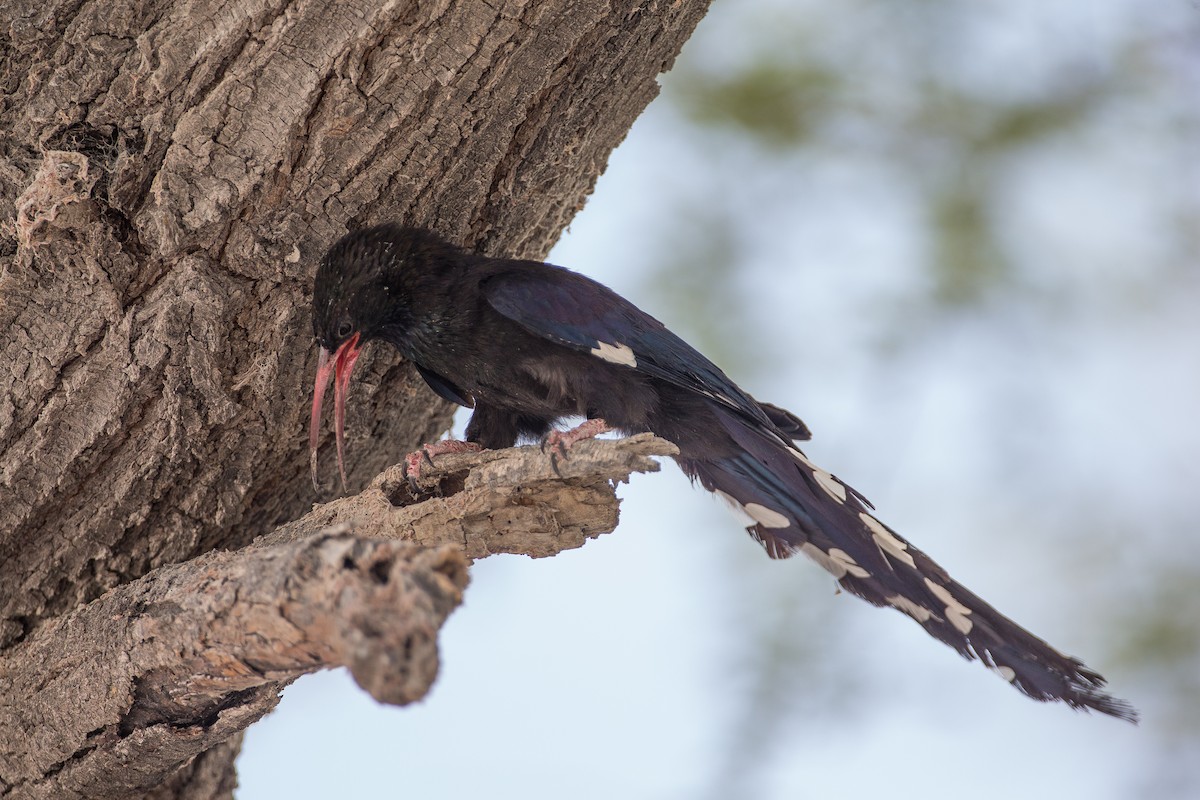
pixel 803 459
pixel 1008 673
pixel 956 612
pixel 843 558
pixel 830 484
pixel 615 354
pixel 836 562
pixel 826 563
pixel 886 540
pixel 767 517
pixel 915 610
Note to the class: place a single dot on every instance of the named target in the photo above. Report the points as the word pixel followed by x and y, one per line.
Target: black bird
pixel 526 344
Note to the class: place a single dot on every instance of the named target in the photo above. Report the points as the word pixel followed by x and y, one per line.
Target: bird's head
pixel 366 288
pixel 357 295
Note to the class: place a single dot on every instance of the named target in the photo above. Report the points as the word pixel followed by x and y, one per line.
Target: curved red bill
pixel 339 368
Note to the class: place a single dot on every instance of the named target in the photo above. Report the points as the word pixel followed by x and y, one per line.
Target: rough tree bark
pixel 169 172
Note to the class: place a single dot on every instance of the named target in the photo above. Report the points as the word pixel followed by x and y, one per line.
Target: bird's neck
pixel 434 302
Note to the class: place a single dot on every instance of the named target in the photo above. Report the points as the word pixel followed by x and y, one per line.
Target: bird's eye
pixel 344 329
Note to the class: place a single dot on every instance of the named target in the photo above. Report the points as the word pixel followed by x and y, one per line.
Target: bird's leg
pixel 557 442
pixel 412 461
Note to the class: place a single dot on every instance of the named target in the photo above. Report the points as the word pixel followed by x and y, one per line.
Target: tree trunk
pixel 169 174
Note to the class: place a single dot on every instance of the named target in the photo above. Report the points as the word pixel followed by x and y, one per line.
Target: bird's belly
pixel 569 384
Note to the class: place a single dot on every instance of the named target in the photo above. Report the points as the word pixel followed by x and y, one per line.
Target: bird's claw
pixel 554 446
pixel 558 442
pixel 427 452
pixel 412 468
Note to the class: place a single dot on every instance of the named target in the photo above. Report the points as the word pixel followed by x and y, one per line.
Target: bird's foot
pixel 558 442
pixel 413 461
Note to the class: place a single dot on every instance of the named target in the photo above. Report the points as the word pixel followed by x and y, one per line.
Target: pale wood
pixel 124 692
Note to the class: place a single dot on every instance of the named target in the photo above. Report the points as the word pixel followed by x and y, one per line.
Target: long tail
pixel 798 507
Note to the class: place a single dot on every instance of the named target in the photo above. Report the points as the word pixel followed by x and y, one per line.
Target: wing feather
pixel 575 311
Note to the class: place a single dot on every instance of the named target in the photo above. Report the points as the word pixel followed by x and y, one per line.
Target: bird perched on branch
pixel 526 344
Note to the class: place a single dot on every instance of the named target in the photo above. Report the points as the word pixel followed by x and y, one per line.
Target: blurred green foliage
pixel 702 290
pixel 778 103
pixel 954 137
